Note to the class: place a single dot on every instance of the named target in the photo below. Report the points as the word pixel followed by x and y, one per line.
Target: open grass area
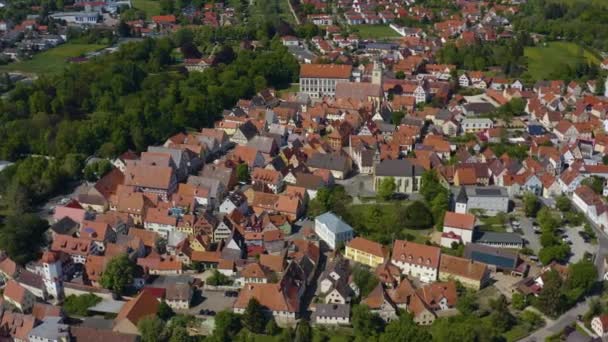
pixel 151 7
pixel 52 60
pixel 375 31
pixel 544 60
pixel 517 333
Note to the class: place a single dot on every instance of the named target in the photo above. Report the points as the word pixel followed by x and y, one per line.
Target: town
pixel 303 171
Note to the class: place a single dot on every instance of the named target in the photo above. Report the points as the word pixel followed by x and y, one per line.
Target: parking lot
pixel 359 185
pixel 527 229
pixel 214 301
pixel 578 246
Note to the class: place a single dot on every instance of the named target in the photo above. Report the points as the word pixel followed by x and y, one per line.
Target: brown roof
pixel 276 263
pixel 457 220
pixel 9 267
pixel 415 253
pixel 147 237
pixel 137 308
pixel 87 334
pixel 253 270
pixel 149 176
pixel 466 176
pixel 276 297
pixel 17 325
pixel 94 266
pixel 178 291
pixel 325 70
pixel 368 246
pixel 71 245
pixel 376 298
pixel 14 291
pixel 433 293
pixel 41 310
pixel 462 267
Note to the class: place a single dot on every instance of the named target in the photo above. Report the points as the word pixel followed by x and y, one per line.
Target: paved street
pixel 359 185
pixel 554 327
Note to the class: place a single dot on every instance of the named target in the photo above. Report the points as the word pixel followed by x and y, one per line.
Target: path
pixel 293 12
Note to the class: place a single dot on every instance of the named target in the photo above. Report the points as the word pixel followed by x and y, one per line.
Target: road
pixel 556 326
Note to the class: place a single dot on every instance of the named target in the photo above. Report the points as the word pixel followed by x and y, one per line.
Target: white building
pixel 416 260
pixel 318 80
pixel 52 274
pixel 599 324
pixel 331 229
pixel 457 227
pixel 331 314
pixel 472 125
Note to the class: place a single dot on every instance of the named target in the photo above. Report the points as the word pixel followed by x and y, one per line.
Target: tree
pixel 563 203
pixel 500 317
pixel 531 204
pixel 227 325
pixel 467 303
pixel 396 117
pixel 581 275
pixel 303 332
pixel 272 328
pixel 595 183
pixel 404 329
pixel 79 305
pixel 386 188
pixel 242 173
pixel 151 329
pixel 557 253
pixel 365 280
pixel 365 323
pixel 253 317
pixel 218 279
pixel 430 186
pixel 519 301
pixel 22 237
pixel 399 75
pixel 165 312
pixel 179 334
pixel 118 274
pixel 417 216
pixel 550 300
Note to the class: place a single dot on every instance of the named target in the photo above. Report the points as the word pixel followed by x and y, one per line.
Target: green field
pixel 375 31
pixel 151 7
pixel 543 60
pixel 51 61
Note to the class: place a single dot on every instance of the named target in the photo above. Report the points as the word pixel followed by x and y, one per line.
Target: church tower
pixel 461 201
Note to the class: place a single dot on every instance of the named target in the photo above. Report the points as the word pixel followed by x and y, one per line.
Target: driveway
pixel 210 300
pixel 504 283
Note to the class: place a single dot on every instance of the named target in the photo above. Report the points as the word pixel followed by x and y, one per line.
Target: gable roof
pixel 462 267
pixel 368 246
pixel 457 220
pixel 145 304
pixel 415 253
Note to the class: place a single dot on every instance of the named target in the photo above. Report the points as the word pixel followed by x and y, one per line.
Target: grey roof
pixel 398 168
pixel 51 329
pixel 309 181
pixel 479 107
pixel 65 226
pixel 502 258
pixel 360 91
pixel 222 174
pixel 212 184
pixel 487 191
pixel 248 129
pixel 176 154
pixel 262 144
pixel 332 310
pixel 329 161
pixel 179 291
pixel 30 279
pixel 385 127
pixel 462 196
pixel 498 237
pixel 334 223
pixel 108 305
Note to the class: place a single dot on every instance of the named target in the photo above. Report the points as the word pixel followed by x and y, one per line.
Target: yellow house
pixel 469 273
pixel 366 252
pixel 199 243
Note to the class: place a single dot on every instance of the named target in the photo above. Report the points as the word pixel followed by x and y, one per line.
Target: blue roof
pixel 498 260
pixel 334 223
pixel 536 130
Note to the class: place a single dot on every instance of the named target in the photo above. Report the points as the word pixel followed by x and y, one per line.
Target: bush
pixel 218 279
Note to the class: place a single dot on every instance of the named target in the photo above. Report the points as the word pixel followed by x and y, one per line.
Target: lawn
pixel 543 60
pixel 375 31
pixel 151 7
pixel 52 60
pixel 517 333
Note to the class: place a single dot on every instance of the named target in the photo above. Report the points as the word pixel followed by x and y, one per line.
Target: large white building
pixel 331 229
pixel 318 80
pixel 457 227
pixel 416 260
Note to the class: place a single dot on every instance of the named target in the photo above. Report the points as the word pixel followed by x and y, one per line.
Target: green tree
pixel 531 204
pixel 227 325
pixel 242 173
pixel 151 329
pixel 165 312
pixel 365 323
pixel 550 300
pixel 519 301
pixel 563 203
pixel 22 237
pixel 399 75
pixel 557 253
pixel 79 305
pixel 501 317
pixel 180 334
pixel 303 332
pixel 404 329
pixel 417 216
pixel 272 328
pixel 595 183
pixel 365 280
pixel 386 188
pixel 396 117
pixel 118 274
pixel 581 275
pixel 218 279
pixel 253 317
